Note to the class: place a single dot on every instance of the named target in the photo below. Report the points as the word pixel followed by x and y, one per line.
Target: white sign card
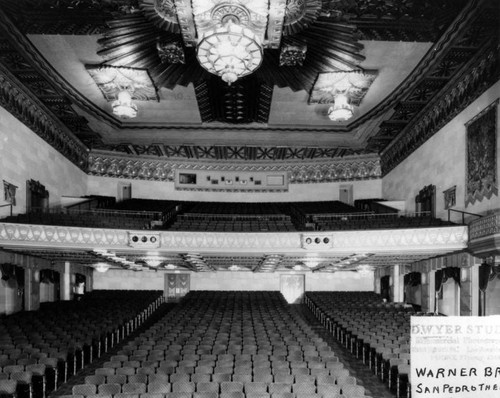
pixel 455 357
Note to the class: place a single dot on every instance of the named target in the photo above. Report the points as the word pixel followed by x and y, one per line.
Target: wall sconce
pixel 463 274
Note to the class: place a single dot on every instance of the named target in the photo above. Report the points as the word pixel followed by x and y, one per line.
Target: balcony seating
pixel 40 350
pixel 228 217
pixel 374 331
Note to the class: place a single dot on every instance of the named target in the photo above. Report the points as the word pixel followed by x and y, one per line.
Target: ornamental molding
pixel 484 227
pixel 348 169
pixel 61 237
pixel 29 110
pixel 396 240
pixel 425 240
pixel 459 93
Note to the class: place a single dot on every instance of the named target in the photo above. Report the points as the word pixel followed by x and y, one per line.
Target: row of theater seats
pixel 374 221
pixel 40 350
pixel 227 217
pixel 374 331
pixel 95 218
pixel 256 224
pixel 225 344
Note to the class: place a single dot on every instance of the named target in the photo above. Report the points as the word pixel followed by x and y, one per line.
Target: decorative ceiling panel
pixel 354 84
pixel 111 80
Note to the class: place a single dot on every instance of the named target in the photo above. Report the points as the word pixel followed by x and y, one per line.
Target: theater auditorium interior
pixel 242 199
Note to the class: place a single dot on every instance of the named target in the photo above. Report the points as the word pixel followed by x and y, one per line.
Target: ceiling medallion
pixel 292 52
pixel 170 53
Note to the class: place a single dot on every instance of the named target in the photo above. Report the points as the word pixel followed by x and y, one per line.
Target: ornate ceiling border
pixel 457 95
pixel 28 109
pixel 421 240
pixel 347 169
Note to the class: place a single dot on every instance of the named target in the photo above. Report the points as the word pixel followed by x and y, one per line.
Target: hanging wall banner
pixel 455 357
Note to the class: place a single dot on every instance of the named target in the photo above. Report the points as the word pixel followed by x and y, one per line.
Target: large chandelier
pixel 230 51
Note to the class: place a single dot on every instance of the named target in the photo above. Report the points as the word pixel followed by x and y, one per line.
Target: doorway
pixel 292 287
pixel 346 194
pixel 124 192
pixel 176 286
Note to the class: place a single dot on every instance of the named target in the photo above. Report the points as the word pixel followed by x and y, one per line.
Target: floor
pixel 374 387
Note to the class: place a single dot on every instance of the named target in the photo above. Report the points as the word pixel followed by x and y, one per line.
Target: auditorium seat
pixel 376 332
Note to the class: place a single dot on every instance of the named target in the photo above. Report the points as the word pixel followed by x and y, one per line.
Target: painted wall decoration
pixel 481 162
pixel 9 192
pixel 450 197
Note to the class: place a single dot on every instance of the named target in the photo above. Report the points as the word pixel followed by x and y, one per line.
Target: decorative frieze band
pixel 377 241
pixel 347 169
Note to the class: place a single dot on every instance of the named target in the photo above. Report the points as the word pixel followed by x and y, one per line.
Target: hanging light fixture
pixel 101 267
pixel 341 110
pixel 123 107
pixel 230 51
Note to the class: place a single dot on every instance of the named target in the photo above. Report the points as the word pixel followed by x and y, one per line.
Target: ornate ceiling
pixel 424 61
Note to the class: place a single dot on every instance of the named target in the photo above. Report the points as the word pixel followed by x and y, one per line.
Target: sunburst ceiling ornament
pixel 162 13
pixel 299 15
pixel 132 40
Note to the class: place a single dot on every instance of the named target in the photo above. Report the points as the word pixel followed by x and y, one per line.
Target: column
pixel 432 290
pixel 89 280
pixel 397 284
pixel 31 289
pixel 376 282
pixel 474 290
pixel 66 285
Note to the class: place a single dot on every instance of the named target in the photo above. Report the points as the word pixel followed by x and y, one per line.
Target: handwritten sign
pixel 455 357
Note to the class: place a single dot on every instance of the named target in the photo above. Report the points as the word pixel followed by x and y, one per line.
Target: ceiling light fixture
pixel 123 107
pixel 101 267
pixel 154 262
pixel 341 110
pixel 229 50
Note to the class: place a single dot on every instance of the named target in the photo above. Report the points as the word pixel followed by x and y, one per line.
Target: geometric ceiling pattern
pixel 462 64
